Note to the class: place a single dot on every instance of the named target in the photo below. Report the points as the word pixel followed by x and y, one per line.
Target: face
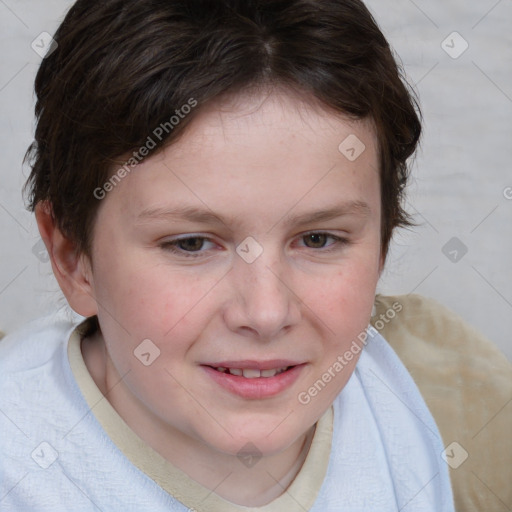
pixel 250 245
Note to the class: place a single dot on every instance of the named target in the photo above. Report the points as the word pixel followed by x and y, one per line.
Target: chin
pixel 259 442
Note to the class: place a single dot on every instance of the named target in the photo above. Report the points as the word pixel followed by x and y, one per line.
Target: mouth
pixel 252 373
pixel 254 380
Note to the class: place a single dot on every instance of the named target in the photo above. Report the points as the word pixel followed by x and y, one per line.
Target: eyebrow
pixel 205 216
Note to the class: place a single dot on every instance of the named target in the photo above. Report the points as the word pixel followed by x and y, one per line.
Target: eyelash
pixel 172 246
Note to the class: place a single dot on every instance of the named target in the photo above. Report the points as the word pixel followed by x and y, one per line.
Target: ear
pixel 73 271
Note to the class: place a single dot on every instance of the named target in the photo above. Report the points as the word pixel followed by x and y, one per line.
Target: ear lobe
pixel 71 269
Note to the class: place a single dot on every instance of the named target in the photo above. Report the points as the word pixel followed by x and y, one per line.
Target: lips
pixel 254 379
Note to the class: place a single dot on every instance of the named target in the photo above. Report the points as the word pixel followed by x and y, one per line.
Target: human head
pixel 122 69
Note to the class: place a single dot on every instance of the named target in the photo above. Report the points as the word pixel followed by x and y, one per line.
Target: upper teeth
pixel 251 373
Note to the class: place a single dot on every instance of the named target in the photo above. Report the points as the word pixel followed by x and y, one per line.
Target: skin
pixel 256 161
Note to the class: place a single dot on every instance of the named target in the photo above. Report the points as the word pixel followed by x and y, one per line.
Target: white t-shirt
pixel 63 446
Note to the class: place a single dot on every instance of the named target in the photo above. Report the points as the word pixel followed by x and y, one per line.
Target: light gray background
pixel 462 179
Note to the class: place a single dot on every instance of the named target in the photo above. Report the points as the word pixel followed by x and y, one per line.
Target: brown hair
pixel 122 68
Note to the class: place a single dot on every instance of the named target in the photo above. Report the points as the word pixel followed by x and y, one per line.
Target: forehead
pixel 254 151
pixel 245 119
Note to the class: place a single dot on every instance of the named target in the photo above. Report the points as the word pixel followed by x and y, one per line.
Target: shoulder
pixel 33 344
pixel 37 400
pixel 34 377
pixel 467 384
pixel 54 453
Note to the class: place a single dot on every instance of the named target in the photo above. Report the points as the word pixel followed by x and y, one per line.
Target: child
pixel 236 372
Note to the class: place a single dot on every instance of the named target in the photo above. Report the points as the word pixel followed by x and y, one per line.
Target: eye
pixel 188 247
pixel 318 240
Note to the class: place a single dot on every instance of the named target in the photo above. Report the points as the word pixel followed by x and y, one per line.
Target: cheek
pixel 341 311
pixel 148 300
pixel 344 301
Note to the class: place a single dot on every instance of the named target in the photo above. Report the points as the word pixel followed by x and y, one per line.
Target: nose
pixel 263 303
